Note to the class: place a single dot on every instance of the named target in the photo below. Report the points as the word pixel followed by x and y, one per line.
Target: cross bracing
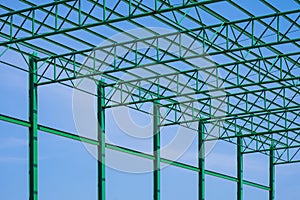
pixel 253 60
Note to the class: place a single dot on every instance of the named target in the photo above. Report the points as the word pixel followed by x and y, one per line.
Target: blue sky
pixel 68 171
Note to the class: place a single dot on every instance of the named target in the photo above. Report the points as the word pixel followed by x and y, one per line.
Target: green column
pixel 156 152
pixel 272 175
pixel 101 140
pixel 201 162
pixel 33 130
pixel 239 168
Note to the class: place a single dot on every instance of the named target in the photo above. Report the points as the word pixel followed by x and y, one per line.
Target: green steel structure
pixel 254 45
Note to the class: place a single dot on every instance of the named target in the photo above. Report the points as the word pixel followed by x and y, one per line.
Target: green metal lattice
pixel 258 55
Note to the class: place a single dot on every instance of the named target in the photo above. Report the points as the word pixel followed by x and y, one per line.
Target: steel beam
pixel 262 112
pixel 268 16
pixel 239 168
pixel 33 129
pixel 156 152
pixel 101 139
pixel 78 26
pixel 201 161
pixel 73 136
pixel 272 174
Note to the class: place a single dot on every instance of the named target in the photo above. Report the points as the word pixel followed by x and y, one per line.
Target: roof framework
pixel 252 56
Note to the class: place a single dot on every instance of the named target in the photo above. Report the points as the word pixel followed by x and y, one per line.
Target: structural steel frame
pixel 257 54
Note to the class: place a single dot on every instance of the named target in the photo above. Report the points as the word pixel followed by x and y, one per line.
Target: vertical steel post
pixel 33 131
pixel 201 161
pixel 104 10
pixel 101 140
pixel 239 168
pixel 272 174
pixel 156 152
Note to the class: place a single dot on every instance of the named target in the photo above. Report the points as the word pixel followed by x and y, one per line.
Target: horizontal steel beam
pixel 79 25
pixel 126 150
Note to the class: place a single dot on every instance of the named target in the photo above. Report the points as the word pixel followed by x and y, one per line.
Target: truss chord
pixel 249 65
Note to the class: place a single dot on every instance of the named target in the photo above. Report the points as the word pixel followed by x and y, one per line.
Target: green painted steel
pixel 201 161
pixel 33 129
pixel 14 121
pixel 239 158
pixel 73 136
pixel 78 26
pixel 156 152
pixel 101 139
pixel 261 77
pixel 272 174
pixel 256 18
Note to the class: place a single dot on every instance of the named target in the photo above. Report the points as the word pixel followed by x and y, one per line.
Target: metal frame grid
pixel 257 52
